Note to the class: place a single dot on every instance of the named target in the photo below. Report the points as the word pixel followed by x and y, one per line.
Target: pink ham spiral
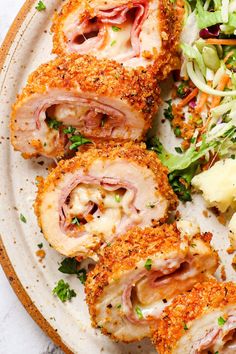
pixel 140 274
pixel 135 33
pixel 97 98
pixel 91 199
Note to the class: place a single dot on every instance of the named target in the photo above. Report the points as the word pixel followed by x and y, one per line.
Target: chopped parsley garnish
pixel 71 266
pixel 185 326
pixel 179 150
pixel 177 132
pixel 40 245
pixel 77 141
pixel 181 186
pixel 116 29
pixel 82 275
pixel 69 130
pixel 53 123
pixel 117 198
pixel 148 264
pixel 182 90
pixel 139 312
pixel 113 43
pixel 23 218
pixel 168 111
pixel 118 306
pixel 193 245
pixel 221 321
pixel 217 352
pixel 63 291
pixel 41 6
pixel 75 221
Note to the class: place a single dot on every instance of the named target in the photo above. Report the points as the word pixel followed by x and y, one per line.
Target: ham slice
pixel 134 33
pixel 98 98
pixel 88 201
pixel 208 315
pixel 141 273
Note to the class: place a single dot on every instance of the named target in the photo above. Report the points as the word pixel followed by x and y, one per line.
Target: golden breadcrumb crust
pixel 124 253
pixel 103 77
pixel 202 299
pixel 171 22
pixel 131 152
pixel 169 25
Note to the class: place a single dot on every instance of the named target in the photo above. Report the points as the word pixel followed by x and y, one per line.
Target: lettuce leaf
pixel 207 18
pixel 182 168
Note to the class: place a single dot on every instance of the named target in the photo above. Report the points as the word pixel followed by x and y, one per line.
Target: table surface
pixel 18 332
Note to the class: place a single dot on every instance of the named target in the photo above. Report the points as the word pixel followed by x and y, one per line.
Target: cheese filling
pixel 100 211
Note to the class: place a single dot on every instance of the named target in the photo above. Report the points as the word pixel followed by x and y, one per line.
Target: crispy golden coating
pixel 131 152
pixel 88 74
pixel 185 308
pixel 171 22
pixel 169 25
pixel 125 253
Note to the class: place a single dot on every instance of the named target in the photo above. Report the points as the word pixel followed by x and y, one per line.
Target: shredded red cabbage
pixel 210 32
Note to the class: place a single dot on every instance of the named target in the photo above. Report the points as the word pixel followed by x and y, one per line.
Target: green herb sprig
pixel 63 291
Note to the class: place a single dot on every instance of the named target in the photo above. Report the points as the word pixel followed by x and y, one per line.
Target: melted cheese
pixel 218 184
pixel 118 42
pixel 68 113
pixel 112 207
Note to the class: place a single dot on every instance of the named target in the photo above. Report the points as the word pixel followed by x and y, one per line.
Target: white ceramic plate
pixel 68 324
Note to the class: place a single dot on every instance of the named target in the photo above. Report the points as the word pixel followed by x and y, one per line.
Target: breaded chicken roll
pixel 140 273
pixel 99 99
pixel 202 321
pixel 135 33
pixel 89 200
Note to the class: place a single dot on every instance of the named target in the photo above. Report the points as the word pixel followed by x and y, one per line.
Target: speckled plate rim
pixel 4 259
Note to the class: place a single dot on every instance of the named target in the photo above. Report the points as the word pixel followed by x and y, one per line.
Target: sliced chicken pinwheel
pixel 75 95
pixel 135 32
pixel 202 321
pixel 89 200
pixel 140 273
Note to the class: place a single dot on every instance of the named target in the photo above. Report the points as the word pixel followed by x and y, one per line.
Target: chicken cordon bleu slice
pixel 82 95
pixel 135 33
pixel 140 273
pixel 89 200
pixel 202 321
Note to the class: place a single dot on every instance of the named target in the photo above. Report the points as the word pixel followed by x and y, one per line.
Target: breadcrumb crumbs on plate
pixel 223 273
pixel 205 213
pixel 41 254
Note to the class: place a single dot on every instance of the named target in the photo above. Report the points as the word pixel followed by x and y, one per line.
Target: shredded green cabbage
pixel 203 86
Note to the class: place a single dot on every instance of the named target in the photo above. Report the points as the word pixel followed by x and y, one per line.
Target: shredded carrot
pixel 221 41
pixel 187 99
pixel 203 98
pixel 221 86
pixel 228 56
